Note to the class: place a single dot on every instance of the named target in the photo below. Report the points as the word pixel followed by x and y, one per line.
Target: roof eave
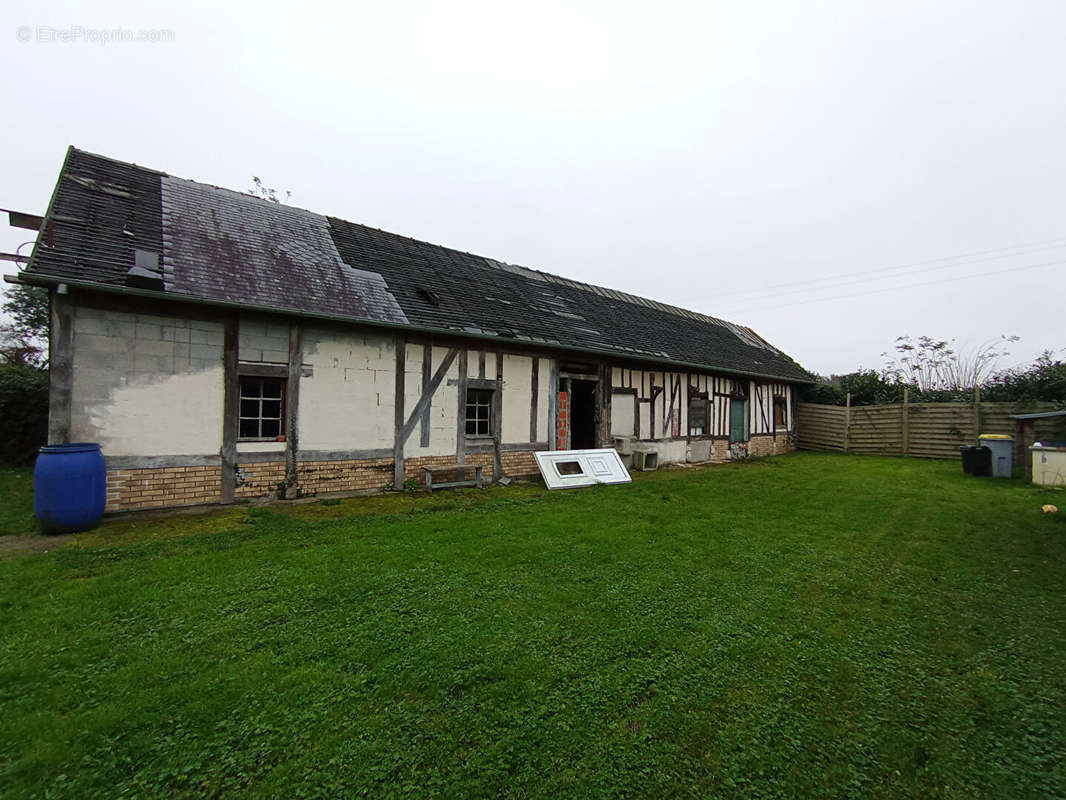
pixel 42 279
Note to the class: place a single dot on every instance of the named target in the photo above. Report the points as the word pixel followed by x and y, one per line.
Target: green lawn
pixel 811 625
pixel 16 502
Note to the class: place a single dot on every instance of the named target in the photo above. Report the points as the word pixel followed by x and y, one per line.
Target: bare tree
pixel 932 364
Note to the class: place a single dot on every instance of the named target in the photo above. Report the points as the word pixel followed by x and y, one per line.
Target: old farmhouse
pixel 219 346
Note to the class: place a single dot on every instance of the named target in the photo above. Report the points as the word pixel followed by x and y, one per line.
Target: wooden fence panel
pixel 876 429
pixel 820 427
pixel 938 430
pixel 933 430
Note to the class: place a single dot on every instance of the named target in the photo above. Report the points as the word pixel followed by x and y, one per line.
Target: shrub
pixel 24 410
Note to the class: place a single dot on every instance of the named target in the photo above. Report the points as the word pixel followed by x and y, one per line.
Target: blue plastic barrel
pixel 69 487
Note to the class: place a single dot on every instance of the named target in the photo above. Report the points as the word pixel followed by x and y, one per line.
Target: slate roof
pixel 223 246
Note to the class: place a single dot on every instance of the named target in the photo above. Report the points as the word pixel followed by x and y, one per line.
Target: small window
pixel 479 412
pixel 262 408
pixel 780 413
pixel 697 416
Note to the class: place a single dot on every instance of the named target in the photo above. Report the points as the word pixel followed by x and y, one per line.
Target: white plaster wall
pixel 443 409
pixel 473 361
pixel 146 384
pixel 161 415
pixel 623 415
pixel 347 403
pixel 517 396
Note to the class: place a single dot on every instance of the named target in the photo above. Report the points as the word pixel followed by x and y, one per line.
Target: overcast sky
pixel 798 167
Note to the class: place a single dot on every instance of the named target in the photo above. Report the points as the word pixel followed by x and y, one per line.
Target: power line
pixel 899 288
pixel 920 271
pixel 1004 252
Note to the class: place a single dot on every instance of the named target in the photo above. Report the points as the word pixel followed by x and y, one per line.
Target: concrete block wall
pixel 347 401
pixel 146 384
pixel 263 339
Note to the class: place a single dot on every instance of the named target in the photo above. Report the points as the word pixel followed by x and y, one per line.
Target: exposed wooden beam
pixel 60 368
pixel 426 397
pixel 397 420
pixel 231 409
pixel 427 368
pixel 460 429
pixel 533 399
pixel 20 219
pixel 292 409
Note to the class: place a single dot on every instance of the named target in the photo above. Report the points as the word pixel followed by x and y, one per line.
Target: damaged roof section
pixel 224 245
pixel 107 217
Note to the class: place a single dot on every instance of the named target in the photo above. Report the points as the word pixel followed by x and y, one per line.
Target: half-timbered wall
pixel 652 406
pixel 364 407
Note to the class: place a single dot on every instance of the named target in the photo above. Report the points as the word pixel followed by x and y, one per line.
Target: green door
pixel 738 420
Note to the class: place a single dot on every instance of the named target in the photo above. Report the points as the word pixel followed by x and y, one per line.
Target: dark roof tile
pixel 230 247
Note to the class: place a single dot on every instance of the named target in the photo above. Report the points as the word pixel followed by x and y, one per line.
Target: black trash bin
pixel 976 461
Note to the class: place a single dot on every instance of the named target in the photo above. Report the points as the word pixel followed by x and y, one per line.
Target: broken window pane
pixel 780 412
pixel 568 468
pixel 697 416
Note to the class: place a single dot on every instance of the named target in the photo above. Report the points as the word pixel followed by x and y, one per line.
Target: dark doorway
pixel 582 415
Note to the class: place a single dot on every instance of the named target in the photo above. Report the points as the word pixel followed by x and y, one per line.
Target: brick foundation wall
pixel 129 489
pixel 168 487
pixel 259 479
pixel 760 446
pixel 562 421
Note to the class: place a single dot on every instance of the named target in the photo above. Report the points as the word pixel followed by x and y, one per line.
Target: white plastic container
pixel 1002 448
pixel 1049 465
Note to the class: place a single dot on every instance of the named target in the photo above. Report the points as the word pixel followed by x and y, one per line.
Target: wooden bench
pixel 476 482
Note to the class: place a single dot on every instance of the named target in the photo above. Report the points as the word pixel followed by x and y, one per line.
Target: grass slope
pixel 812 625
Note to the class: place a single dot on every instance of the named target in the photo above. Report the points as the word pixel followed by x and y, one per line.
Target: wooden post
pixel 460 430
pixel 398 400
pixel 60 368
pixel 497 421
pixel 533 399
pixel 427 371
pixel 231 409
pixel 553 399
pixel 292 409
pixel 1025 433
pixel 847 422
pixel 906 421
pixel 976 412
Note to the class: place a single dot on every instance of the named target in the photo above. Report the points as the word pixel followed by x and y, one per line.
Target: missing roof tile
pixel 428 295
